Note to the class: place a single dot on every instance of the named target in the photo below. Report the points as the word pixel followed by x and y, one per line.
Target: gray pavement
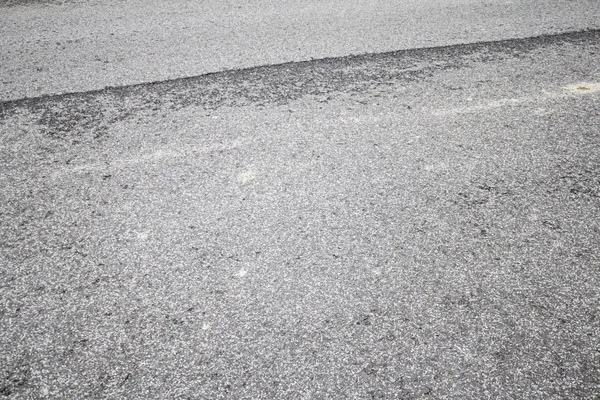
pixel 54 46
pixel 416 224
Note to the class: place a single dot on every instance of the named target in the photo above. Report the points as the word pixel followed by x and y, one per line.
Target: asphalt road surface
pixel 63 46
pixel 413 224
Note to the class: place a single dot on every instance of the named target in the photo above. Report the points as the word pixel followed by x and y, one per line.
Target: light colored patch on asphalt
pixel 143 235
pixel 247 176
pixel 584 87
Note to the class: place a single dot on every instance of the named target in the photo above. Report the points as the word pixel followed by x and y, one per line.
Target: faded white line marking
pixel 153 156
pixel 571 90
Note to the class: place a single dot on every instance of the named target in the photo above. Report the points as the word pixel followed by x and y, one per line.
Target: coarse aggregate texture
pixel 419 224
pixel 63 46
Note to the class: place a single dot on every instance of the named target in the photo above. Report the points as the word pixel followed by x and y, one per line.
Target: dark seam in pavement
pixel 519 44
pixel 92 113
